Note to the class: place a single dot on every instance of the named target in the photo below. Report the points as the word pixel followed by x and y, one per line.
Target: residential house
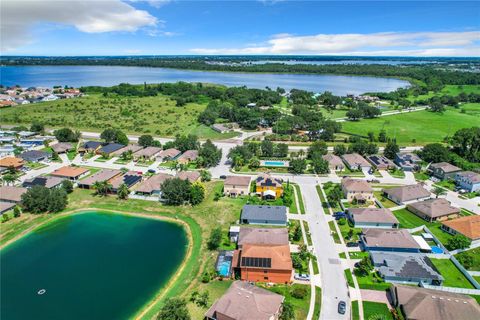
pixel 354 161
pixel 468 180
pixel 372 218
pixel 408 268
pixel 407 161
pixel 335 163
pixel 262 236
pixel 263 263
pixel 131 147
pixel 109 149
pixel 35 156
pixel 427 304
pixel 259 214
pixel 245 301
pixel 152 186
pixel 11 194
pixel 398 240
pixel 191 176
pixel 405 194
pixel 468 226
pixel 71 173
pixel 221 127
pixel 357 189
pixel 381 162
pixel 129 179
pixel 443 170
pixel 233 233
pixel 434 210
pixel 100 176
pixel 146 154
pixel 6 206
pixel 237 186
pixel 49 182
pixel 168 154
pixel 12 162
pixel 188 156
pixel 62 147
pixel 90 147
pixel 269 187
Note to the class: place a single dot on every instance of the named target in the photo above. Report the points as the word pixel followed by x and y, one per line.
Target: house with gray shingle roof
pixel 372 218
pixel 274 215
pixel 434 210
pixel 404 194
pixel 468 180
pixel 443 170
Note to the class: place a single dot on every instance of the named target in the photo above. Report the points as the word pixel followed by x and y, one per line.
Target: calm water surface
pixel 92 266
pixel 77 76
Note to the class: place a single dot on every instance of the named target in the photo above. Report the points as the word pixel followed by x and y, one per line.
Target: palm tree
pixel 439 191
pixel 102 187
pixel 10 178
pixel 122 191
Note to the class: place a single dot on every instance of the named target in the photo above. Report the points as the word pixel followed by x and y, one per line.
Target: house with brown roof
pixel 398 240
pixel 372 218
pixel 62 147
pixel 381 162
pixel 245 301
pixel 237 186
pixel 129 179
pixel 443 170
pixel 357 189
pixel 262 236
pixel 427 304
pixel 434 210
pixel 354 161
pixel 468 226
pixel 405 194
pixel 168 154
pixel 335 163
pixel 188 156
pixel 191 176
pixel 6 206
pixel 12 162
pixel 146 154
pixel 70 172
pixel 11 194
pixel 131 147
pixel 269 187
pixel 100 176
pixel 49 182
pixel 263 263
pixel 152 185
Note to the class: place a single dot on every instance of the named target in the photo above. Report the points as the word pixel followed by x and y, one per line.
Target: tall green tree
pixel 174 309
pixel 210 154
pixel 122 192
pixel 145 140
pixel 391 149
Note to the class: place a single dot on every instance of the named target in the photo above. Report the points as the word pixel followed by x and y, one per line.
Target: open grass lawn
pixel 397 173
pixel 447 184
pixel 409 220
pixel 153 115
pixel 358 254
pixel 372 282
pixel 475 254
pixel 387 203
pixel 216 289
pixel 376 308
pixel 345 229
pixel 421 176
pixel 452 90
pixel 301 306
pixel 453 276
pixel 409 128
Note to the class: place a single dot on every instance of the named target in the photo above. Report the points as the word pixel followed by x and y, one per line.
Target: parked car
pixel 342 307
pixel 302 276
pixel 151 171
pixel 223 177
pixel 352 244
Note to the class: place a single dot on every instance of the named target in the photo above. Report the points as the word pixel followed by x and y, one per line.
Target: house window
pixel 265 278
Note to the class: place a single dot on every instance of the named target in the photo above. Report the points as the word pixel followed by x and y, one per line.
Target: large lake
pixel 92 266
pixel 48 76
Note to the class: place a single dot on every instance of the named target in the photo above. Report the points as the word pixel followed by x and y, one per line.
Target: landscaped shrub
pixel 298 292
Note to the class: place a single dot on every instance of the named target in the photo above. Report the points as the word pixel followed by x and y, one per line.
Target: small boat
pixel 41 291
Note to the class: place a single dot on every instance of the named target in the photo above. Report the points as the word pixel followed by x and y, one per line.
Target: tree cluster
pixel 177 192
pixel 39 199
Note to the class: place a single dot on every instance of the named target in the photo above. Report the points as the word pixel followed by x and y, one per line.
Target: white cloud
pixel 18 17
pixel 401 43
pixel 154 3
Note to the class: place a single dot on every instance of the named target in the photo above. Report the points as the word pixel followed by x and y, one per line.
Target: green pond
pixel 91 265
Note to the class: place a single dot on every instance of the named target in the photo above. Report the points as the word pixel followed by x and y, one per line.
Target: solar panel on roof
pixel 131 179
pixel 256 262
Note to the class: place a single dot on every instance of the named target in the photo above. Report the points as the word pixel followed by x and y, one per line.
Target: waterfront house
pixel 6 206
pixel 70 172
pixel 427 304
pixel 408 268
pixel 443 170
pixel 262 236
pixel 335 163
pixel 468 180
pixel 129 179
pixel 357 189
pixel 49 182
pixel 434 210
pixel 11 194
pixel 261 214
pixel 354 161
pixel 381 162
pixel 468 226
pixel 407 161
pixel 100 176
pixel 35 156
pixel 405 194
pixel 372 218
pixel 268 187
pixel 398 240
pixel 237 186
pixel 244 301
pixel 152 186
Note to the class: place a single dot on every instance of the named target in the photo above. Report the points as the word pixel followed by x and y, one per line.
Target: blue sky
pixel 124 27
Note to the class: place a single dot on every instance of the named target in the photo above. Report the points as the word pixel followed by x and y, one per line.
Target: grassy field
pixel 371 309
pixel 475 254
pixel 146 115
pixel 387 203
pixel 453 276
pixel 409 128
pixel 301 306
pixel 453 90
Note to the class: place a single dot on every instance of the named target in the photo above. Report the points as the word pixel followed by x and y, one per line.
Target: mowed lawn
pixel 145 115
pixel 453 276
pixel 475 254
pixel 418 127
pixel 371 309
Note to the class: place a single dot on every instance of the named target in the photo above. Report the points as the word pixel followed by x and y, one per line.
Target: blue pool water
pixel 274 163
pixel 223 268
pixel 436 249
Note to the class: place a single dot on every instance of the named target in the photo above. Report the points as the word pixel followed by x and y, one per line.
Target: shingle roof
pixel 34 155
pixel 11 162
pixel 169 153
pixel 131 147
pixel 5 206
pixel 379 160
pixel 265 236
pixel 333 159
pixel 434 208
pixel 148 152
pixel 279 255
pixel 46 181
pixel 111 147
pixel 92 144
pixel 427 304
pixel 153 183
pixel 191 176
pixel 10 193
pixel 130 178
pixel 445 166
pixel 354 160
pixel 237 181
pixel 102 175
pixel 408 193
pixel 468 226
pixel 267 180
pixel 471 176
pixel 356 185
pixel 391 238
pixel 408 157
pixel 189 155
pixel 372 215
pixel 69 172
pixel 244 301
pixel 62 147
pixel 265 213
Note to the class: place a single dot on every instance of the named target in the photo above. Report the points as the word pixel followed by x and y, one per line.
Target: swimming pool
pixel 274 163
pixel 436 249
pixel 224 262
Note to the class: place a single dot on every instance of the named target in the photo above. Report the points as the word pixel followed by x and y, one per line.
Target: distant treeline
pixel 428 74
